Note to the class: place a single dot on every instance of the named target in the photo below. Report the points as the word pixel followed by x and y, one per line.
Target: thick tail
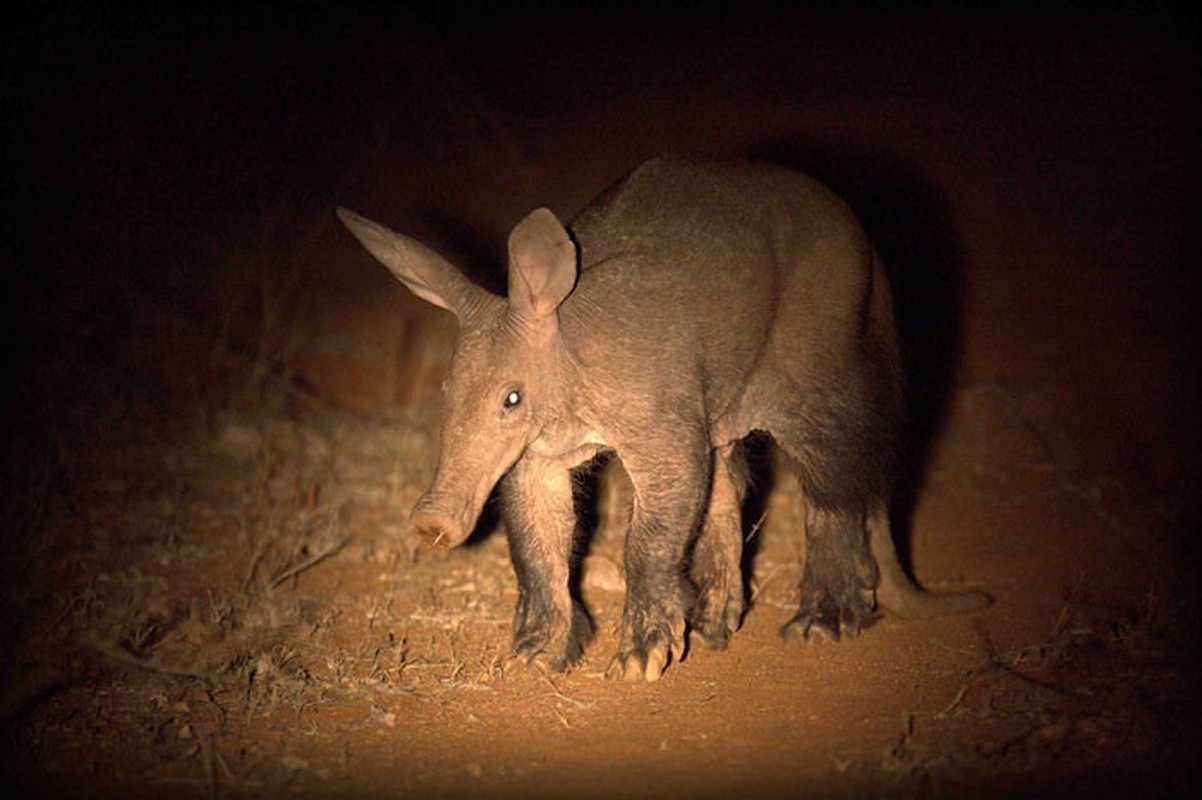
pixel 897 593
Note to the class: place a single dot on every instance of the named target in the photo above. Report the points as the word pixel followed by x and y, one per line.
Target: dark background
pixel 177 167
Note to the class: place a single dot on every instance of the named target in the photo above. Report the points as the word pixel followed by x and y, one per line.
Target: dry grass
pixel 192 593
pixel 174 607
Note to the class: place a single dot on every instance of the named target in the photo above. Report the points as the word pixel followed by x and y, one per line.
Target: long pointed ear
pixel 427 274
pixel 542 266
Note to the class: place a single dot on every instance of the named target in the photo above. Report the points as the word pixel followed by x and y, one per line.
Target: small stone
pixel 598 572
pixel 239 441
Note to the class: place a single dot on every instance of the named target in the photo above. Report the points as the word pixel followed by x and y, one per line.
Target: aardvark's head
pixel 496 395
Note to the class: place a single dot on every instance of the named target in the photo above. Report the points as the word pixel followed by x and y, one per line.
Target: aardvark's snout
pixel 437 530
pixel 440 526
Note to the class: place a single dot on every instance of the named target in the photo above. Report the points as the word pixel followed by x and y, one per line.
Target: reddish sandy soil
pixel 225 411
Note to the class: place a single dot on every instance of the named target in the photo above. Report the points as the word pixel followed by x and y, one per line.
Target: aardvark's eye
pixel 512 398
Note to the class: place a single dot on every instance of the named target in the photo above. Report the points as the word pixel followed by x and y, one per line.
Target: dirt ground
pixel 224 412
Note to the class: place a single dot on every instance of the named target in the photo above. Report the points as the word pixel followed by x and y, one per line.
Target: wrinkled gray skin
pixel 692 304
